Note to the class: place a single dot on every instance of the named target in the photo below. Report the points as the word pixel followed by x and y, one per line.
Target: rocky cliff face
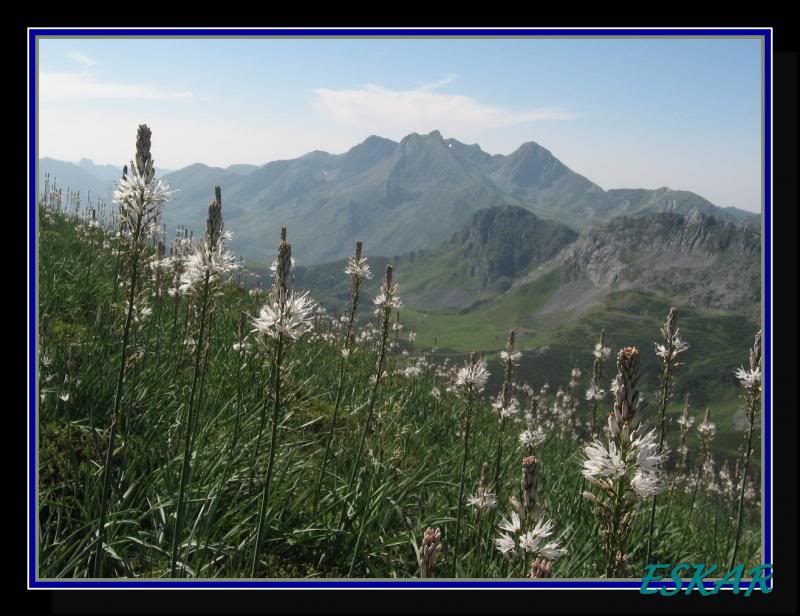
pixel 698 260
pixel 503 242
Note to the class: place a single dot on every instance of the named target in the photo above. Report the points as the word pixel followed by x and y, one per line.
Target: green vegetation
pixel 409 476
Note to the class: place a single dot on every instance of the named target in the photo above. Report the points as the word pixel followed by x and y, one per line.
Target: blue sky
pixel 623 112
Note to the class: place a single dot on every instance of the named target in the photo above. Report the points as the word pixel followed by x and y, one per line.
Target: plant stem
pixel 329 439
pixel 272 451
pixel 666 382
pixel 189 437
pixel 134 269
pixel 737 534
pixel 467 413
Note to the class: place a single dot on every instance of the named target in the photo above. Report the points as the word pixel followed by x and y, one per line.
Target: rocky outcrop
pixel 698 260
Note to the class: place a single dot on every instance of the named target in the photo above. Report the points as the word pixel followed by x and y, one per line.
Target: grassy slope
pixel 415 487
pixel 718 344
pixel 553 344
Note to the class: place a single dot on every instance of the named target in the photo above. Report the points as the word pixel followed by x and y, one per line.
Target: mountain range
pixel 402 196
pixel 504 252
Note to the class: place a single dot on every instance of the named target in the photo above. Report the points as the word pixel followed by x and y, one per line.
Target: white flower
pixel 483 501
pixel 678 346
pixel 436 393
pixel 749 378
pixel 472 376
pixel 206 260
pixel 542 529
pixel 513 357
pixel 412 336
pixel 601 352
pixel 412 372
pixel 140 200
pixel 532 438
pixel 292 317
pixel 64 396
pixel 358 268
pixel 505 543
pixel 552 551
pixel 646 484
pixel 387 299
pixel 685 422
pixel 595 393
pixel 529 541
pixel 512 525
pixel 646 451
pixel 506 410
pixel 602 462
pixel 707 429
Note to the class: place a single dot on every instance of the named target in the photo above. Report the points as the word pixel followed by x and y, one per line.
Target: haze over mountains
pixel 397 197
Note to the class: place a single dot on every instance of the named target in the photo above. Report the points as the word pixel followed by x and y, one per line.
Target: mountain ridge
pixel 406 195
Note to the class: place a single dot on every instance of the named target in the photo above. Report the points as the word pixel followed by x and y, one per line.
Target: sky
pixel 625 113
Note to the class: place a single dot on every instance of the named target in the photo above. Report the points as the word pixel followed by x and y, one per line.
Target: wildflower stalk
pixel 470 381
pixel 190 279
pixel 666 353
pixel 751 381
pixel 627 468
pixel 115 415
pixel 358 271
pixel 506 403
pixel 706 431
pixel 386 301
pixel 467 423
pixel 276 387
pixel 139 200
pixel 505 406
pixel 600 354
pixel 429 551
pixel 280 290
pixel 189 433
pixel 92 225
pixel 686 423
pixel 284 318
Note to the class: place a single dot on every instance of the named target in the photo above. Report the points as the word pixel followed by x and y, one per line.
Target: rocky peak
pixel 503 242
pixel 705 261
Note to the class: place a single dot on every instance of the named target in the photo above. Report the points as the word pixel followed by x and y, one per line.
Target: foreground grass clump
pixel 251 434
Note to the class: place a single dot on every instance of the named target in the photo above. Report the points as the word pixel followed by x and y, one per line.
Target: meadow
pixel 192 427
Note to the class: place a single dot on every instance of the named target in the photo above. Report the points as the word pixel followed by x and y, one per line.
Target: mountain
pixel 241 169
pixel 546 274
pixel 85 176
pixel 403 196
pixel 483 259
pixel 77 177
pixel 695 260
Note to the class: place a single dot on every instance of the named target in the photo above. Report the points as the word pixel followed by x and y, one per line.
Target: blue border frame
pixel 33 33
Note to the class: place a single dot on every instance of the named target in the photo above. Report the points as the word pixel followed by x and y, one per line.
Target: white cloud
pixel 84 86
pixel 423 109
pixel 81 57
